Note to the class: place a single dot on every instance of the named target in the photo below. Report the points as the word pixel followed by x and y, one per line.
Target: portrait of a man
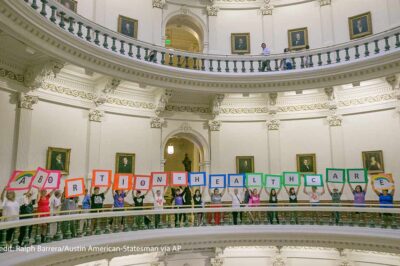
pixel 360 25
pixel 306 163
pixel 128 26
pixel 125 163
pixel 244 164
pixel 58 159
pixel 240 43
pixel 298 38
pixel 70 4
pixel 373 161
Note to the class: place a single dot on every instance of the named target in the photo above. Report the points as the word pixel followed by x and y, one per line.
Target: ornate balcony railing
pixel 96 35
pixel 74 224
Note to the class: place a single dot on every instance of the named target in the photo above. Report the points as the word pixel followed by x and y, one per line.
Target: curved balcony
pixel 370 228
pixel 63 34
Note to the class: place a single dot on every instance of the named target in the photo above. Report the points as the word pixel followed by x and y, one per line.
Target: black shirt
pixel 187 196
pixel 293 198
pixel 96 201
pixel 197 201
pixel 138 202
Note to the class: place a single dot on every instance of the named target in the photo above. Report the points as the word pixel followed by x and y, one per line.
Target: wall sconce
pixel 170 149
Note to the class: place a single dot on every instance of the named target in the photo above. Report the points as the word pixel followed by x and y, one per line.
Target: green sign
pixel 167 41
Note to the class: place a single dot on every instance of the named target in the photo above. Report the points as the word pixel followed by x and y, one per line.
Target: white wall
pixel 309 14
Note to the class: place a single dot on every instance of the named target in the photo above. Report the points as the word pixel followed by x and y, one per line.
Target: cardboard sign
pixel 179 179
pixel 20 180
pixel 254 179
pixel 53 180
pixel 123 181
pixel 74 187
pixel 313 180
pixel 40 178
pixel 273 181
pixel 142 182
pixel 101 178
pixel 197 179
pixel 357 176
pixel 291 179
pixel 217 181
pixel 335 175
pixel 159 179
pixel 383 181
pixel 236 180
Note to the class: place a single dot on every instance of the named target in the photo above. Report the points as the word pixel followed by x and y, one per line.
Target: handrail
pixel 99 36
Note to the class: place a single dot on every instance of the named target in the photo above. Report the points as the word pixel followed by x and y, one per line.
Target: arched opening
pixel 183 32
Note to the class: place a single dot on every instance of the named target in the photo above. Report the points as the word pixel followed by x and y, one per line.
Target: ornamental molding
pixel 158 3
pixel 216 104
pixel 335 120
pixel 273 124
pixel 251 110
pixel 188 109
pixel 273 96
pixel 330 92
pixel 156 122
pixel 35 75
pixel 96 115
pixel 162 100
pixel 212 10
pixel 104 88
pixel 368 99
pixel 266 9
pixel 214 125
pixel 393 81
pixel 303 107
pixel 4 73
pixel 26 101
pixel 185 127
pixel 324 2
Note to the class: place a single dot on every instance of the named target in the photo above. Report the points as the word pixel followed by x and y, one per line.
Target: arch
pixel 192 135
pixel 194 18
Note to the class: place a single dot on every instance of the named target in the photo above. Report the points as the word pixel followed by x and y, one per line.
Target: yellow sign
pixel 383 181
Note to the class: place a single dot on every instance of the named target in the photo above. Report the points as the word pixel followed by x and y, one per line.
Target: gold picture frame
pixel 244 164
pixel 360 25
pixel 297 38
pixel 128 26
pixel 373 161
pixel 240 43
pixel 58 159
pixel 306 163
pixel 125 163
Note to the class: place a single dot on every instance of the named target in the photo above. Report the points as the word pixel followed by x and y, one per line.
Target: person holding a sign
pixel 97 198
pixel 314 198
pixel 336 198
pixel 26 207
pixel 237 199
pixel 359 195
pixel 10 210
pixel 198 203
pixel 158 204
pixel 292 193
pixel 254 201
pixel 273 200
pixel 178 202
pixel 119 203
pixel 385 198
pixel 138 199
pixel 216 201
pixel 43 201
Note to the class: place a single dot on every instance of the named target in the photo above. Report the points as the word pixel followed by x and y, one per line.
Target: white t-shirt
pixel 314 197
pixel 55 204
pixel 10 208
pixel 159 202
pixel 266 51
pixel 236 199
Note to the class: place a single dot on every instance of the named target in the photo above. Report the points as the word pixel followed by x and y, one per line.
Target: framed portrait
pixel 58 159
pixel 306 163
pixel 373 161
pixel 70 4
pixel 244 164
pixel 128 26
pixel 240 43
pixel 125 163
pixel 297 38
pixel 360 25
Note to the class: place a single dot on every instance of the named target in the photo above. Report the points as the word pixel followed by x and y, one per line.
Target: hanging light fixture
pixel 170 149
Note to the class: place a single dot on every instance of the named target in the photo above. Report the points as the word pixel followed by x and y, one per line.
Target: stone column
pixel 337 141
pixel 25 108
pixel 274 146
pixel 155 146
pixel 326 22
pixel 212 12
pixel 214 126
pixel 157 20
pixel 267 25
pixel 94 141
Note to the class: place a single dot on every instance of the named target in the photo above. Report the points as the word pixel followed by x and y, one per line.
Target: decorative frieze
pixel 158 3
pixel 156 122
pixel 35 75
pixel 216 104
pixel 266 9
pixel 214 125
pixel 188 108
pixel 26 101
pixel 335 120
pixel 212 10
pixel 324 2
pixel 162 101
pixel 96 115
pixel 273 124
pixel 4 73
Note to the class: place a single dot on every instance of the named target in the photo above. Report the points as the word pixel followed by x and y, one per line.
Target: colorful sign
pixel 142 182
pixel 159 179
pixel 292 179
pixel 313 180
pixel 273 181
pixel 20 180
pixel 197 179
pixel 359 175
pixel 53 180
pixel 179 179
pixel 123 181
pixel 217 181
pixel 74 187
pixel 101 178
pixel 40 178
pixel 254 179
pixel 236 180
pixel 335 175
pixel 383 181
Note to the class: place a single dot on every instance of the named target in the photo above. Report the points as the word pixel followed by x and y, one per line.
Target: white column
pixel 274 146
pixel 157 20
pixel 267 26
pixel 393 7
pixel 337 142
pixel 215 126
pixel 94 142
pixel 326 23
pixel 212 35
pixel 25 108
pixel 155 146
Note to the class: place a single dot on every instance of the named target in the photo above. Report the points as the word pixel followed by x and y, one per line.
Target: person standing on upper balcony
pixel 285 62
pixel 265 52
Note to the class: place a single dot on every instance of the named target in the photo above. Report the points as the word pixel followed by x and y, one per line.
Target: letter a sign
pixel 334 175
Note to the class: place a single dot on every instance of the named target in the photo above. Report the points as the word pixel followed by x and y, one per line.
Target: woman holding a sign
pixel 43 201
pixel 254 201
pixel 292 193
pixel 273 199
pixel 216 201
pixel 10 210
pixel 381 185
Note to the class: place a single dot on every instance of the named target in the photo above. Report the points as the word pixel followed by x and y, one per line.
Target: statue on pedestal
pixel 187 163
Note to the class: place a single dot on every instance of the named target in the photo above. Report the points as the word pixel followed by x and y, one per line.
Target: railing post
pixel 337 56
pixel 71 25
pixel 219 65
pixel 146 54
pixel 34 5
pixel 179 63
pixel 125 223
pixel 138 56
pixel 347 57
pixel 3 241
pixel 26 240
pixel 134 226
pixel 293 62
pixel 186 62
pixel 62 24
pixel 234 66
pixel 43 11
pixel 226 65
pixel 357 55
pixel 243 68
pixel 194 63
pixel 251 66
pixel 59 235
pixel 203 67
pixel 162 58
pixel 38 238
pixel 302 61
pixel 68 233
pixel 259 66
pixel 96 38
pixel 48 237
pixel 329 61
pixel 319 59
pixel 88 230
pixel 15 242
pixel 366 52
pixel 311 64
pixel 105 41
pixel 376 46
pixel 113 46
pixel 88 36
pixel 53 14
pixel 276 65
pixel 107 230
pixel 387 46
pixel 78 228
pixel 80 34
pixel 397 40
pixel 122 50
pixel 211 68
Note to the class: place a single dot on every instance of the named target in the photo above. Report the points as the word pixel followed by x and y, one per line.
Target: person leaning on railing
pixel 285 62
pixel 10 210
pixel 336 198
pixel 266 52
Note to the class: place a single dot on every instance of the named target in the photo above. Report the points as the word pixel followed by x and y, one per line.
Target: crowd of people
pixel 54 203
